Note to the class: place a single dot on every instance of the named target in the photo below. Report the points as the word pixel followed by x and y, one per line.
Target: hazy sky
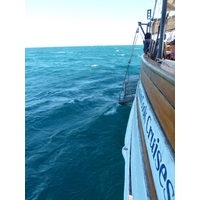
pixel 83 22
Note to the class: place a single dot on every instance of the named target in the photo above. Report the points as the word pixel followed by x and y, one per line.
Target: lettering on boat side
pixel 161 160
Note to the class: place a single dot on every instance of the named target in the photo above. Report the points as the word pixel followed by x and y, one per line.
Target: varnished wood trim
pixel 164 111
pixel 147 70
pixel 146 159
pixel 162 70
pixel 167 88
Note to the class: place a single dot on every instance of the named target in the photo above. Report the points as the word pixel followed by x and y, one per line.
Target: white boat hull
pixel 160 154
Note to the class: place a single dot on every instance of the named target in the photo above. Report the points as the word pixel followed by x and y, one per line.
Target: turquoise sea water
pixel 74 126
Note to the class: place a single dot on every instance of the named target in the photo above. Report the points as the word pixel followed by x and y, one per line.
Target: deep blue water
pixel 74 126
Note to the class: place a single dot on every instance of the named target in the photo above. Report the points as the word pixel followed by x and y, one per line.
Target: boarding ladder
pixel 128 90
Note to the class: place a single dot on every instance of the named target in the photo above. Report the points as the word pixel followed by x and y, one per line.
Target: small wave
pixel 94 65
pixel 70 101
pixel 81 99
pixel 121 54
pixel 117 50
pixel 112 111
pixel 61 52
pixel 78 61
pixel 71 59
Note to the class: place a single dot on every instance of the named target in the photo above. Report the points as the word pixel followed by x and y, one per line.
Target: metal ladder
pixel 128 90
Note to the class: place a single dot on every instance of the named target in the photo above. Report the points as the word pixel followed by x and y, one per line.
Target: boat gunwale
pixel 162 70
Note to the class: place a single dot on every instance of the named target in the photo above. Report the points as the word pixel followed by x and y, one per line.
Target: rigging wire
pixel 153 45
pixel 134 42
pixel 127 71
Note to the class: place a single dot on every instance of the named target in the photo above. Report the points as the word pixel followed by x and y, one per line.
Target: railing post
pixel 162 29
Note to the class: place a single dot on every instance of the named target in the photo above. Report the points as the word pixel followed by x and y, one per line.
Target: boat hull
pixel 149 150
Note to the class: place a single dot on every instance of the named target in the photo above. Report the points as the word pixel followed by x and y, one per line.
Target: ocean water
pixel 74 126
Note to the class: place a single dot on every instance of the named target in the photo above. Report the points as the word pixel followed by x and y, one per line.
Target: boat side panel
pixel 139 179
pixel 160 153
pixel 126 154
pixel 134 159
pixel 163 109
pixel 165 87
pixel 162 70
pixel 146 158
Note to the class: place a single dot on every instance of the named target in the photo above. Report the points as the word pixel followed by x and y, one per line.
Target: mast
pixel 162 29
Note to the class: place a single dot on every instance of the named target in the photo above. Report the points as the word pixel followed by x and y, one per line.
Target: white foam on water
pixel 112 111
pixel 61 52
pixel 94 65
pixel 70 101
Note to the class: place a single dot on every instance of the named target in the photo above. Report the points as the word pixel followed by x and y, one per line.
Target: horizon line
pixel 82 46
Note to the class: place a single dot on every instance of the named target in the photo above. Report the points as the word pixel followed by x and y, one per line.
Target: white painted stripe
pixel 140 189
